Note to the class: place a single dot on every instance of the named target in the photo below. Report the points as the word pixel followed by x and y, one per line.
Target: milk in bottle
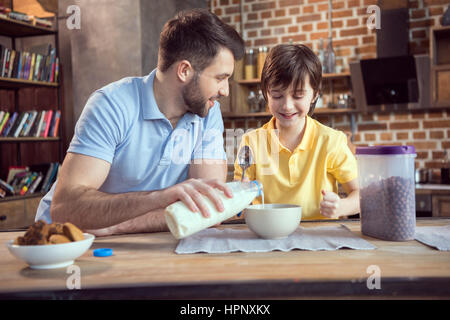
pixel 182 222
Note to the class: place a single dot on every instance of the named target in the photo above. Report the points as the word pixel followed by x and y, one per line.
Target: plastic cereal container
pixel 387 192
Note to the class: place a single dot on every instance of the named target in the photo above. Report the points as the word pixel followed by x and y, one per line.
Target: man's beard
pixel 193 99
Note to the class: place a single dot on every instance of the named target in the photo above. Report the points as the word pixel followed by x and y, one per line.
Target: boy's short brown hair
pixel 288 64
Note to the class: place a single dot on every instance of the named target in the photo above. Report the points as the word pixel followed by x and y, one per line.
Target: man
pixel 142 143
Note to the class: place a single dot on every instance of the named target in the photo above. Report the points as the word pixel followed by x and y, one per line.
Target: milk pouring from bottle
pixel 182 222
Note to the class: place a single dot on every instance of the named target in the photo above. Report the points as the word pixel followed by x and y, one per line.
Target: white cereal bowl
pixel 274 221
pixel 51 256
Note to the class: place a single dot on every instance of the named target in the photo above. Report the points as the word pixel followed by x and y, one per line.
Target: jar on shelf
pixel 262 54
pixel 261 102
pixel 252 102
pixel 249 65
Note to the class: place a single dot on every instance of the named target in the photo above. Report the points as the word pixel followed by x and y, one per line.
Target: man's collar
pixel 150 110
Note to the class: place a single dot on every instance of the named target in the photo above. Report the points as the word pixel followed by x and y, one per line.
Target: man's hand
pixel 190 193
pixel 330 204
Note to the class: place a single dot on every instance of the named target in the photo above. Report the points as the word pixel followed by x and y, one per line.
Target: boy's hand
pixel 329 205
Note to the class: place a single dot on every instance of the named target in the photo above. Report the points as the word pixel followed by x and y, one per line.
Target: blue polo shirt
pixel 122 124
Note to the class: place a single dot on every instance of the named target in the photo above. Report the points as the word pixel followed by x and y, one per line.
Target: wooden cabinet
pixel 441 205
pixel 440 65
pixel 18 212
pixel 434 199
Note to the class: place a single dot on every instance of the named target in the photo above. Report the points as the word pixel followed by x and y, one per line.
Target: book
pixel 39 127
pixel 32 132
pixel 27 181
pixel 51 63
pixel 19 180
pixel 26 124
pixel 2 114
pixel 43 125
pixel 48 120
pixel 10 124
pixel 36 183
pixel 30 72
pixel 2 54
pixel 58 118
pixel 15 65
pixel 11 63
pixel 20 16
pixel 52 74
pixel 52 177
pixel 55 123
pixel 41 68
pixel 19 65
pixel 47 176
pixel 13 170
pixel 23 120
pixel 57 69
pixel 9 190
pixel 36 66
pixel 5 10
pixel 5 62
pixel 26 66
pixel 17 125
pixel 3 123
pixel 42 22
pixel 30 123
pixel 46 67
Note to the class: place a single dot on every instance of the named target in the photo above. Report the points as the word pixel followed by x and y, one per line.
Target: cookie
pixel 37 234
pixel 58 238
pixel 19 241
pixel 72 232
pixel 55 228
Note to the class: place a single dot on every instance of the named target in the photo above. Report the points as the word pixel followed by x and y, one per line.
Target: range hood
pixel 390 84
pixel 394 80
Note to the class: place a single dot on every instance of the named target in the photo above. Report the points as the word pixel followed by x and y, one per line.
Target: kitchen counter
pixel 435 188
pixel 146 266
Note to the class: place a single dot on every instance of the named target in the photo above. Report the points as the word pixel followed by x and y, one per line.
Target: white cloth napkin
pixel 438 237
pixel 214 240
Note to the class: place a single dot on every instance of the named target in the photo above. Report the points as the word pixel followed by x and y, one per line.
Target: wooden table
pixel 146 266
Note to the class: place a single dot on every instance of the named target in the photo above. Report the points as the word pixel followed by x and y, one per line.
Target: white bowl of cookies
pixel 49 246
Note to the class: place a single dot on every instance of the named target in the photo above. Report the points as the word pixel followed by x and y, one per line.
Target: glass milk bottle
pixel 182 222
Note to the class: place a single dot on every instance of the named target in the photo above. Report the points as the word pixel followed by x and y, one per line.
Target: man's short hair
pixel 288 64
pixel 196 35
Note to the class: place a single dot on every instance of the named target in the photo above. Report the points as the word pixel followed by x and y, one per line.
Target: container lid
pixel 381 150
pixel 103 252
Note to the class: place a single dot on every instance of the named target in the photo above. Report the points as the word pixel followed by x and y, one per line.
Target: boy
pixel 297 159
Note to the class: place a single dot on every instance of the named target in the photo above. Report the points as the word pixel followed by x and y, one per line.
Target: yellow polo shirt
pixel 320 161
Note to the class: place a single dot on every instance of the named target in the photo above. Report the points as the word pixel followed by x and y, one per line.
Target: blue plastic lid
pixel 103 252
pixel 259 187
pixel 380 150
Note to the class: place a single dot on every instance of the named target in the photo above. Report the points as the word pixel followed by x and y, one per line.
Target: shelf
pixel 26 196
pixel 323 111
pixel 329 76
pixel 11 83
pixel 28 139
pixel 14 28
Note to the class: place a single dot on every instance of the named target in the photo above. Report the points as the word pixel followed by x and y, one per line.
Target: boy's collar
pixel 308 136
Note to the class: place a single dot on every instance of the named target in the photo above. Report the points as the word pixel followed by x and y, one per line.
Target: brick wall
pixel 267 23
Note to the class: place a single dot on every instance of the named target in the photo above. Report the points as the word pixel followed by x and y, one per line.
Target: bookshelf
pixel 20 95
